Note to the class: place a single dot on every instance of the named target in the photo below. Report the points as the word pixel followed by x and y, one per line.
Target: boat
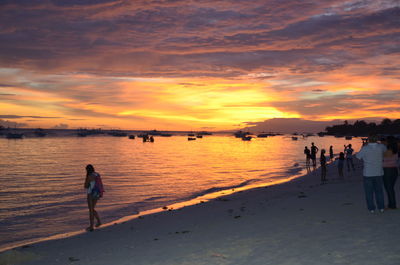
pixel 294 138
pixel 191 138
pixel 131 136
pixel 40 133
pixel 199 136
pixel 191 134
pixel 14 135
pixel 246 138
pixel 118 133
pixel 241 134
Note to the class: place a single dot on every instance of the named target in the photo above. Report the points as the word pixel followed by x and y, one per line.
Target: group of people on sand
pixel 346 155
pixel 380 168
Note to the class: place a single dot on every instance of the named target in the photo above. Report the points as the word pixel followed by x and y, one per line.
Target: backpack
pixel 98 189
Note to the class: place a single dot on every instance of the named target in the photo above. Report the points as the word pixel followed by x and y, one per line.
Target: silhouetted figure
pixel 348 150
pixel 94 189
pixel 341 165
pixel 307 152
pixel 322 160
pixel 390 169
pixel 151 139
pixel 372 157
pixel 331 152
pixel 314 151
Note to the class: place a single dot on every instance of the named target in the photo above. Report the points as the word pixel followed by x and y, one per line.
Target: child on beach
pixel 323 166
pixel 94 192
pixel 341 165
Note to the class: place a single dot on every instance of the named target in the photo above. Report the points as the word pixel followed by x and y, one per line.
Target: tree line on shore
pixel 363 128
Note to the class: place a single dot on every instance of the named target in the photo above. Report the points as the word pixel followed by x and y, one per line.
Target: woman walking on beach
pixel 331 152
pixel 390 171
pixel 94 188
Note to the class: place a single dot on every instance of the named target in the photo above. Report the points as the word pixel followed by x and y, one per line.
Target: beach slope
pixel 299 222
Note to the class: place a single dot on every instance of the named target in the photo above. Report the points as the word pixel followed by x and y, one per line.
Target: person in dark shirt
pixel 323 166
pixel 308 156
pixel 314 151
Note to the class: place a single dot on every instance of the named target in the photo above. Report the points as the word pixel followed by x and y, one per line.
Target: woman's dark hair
pixel 89 169
pixel 392 144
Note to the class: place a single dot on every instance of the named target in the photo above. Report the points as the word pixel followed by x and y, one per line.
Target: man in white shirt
pixel 372 157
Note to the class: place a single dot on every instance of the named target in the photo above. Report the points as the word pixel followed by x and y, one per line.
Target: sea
pixel 41 178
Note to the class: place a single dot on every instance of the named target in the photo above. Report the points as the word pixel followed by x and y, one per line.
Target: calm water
pixel 41 179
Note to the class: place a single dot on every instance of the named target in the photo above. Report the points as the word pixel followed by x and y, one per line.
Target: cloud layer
pixel 212 64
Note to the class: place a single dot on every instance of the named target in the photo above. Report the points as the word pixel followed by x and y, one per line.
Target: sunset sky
pixel 196 65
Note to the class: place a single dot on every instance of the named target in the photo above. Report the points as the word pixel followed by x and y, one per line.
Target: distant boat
pixel 191 138
pixel 81 134
pixel 191 134
pixel 246 138
pixel 40 133
pixel 241 134
pixel 294 138
pixel 14 135
pixel 131 136
pixel 118 133
pixel 199 136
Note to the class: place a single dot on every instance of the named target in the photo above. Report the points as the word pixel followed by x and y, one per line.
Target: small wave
pixel 216 189
pixel 155 198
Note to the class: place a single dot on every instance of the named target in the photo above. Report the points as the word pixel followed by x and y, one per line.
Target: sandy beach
pixel 299 222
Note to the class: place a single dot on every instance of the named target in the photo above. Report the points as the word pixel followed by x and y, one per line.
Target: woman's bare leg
pixel 96 215
pixel 91 213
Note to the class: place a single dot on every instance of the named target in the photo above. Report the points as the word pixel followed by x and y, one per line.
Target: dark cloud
pixel 20 117
pixel 11 124
pixel 146 39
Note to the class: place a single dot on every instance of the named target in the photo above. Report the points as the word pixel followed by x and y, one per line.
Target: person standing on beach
pixel 322 160
pixel 331 152
pixel 390 170
pixel 341 165
pixel 372 156
pixel 93 194
pixel 314 151
pixel 308 156
pixel 348 150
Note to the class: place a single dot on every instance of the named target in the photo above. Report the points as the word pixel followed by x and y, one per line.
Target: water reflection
pixel 42 178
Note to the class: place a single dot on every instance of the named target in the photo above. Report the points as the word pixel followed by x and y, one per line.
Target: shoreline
pixel 296 222
pixel 175 206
